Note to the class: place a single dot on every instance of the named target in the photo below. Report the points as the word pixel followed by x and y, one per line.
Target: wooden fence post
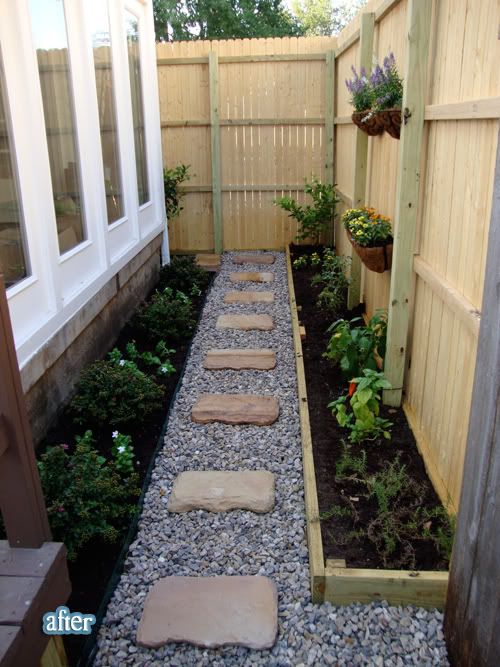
pixel 415 76
pixel 213 73
pixel 21 498
pixel 472 608
pixel 330 128
pixel 360 155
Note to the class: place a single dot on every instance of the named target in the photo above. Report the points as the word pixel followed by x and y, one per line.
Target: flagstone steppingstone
pixel 236 409
pixel 251 276
pixel 245 322
pixel 222 490
pixel 210 612
pixel 248 297
pixel 209 262
pixel 258 359
pixel 254 259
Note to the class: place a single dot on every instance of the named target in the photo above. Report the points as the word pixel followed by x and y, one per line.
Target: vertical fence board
pixel 213 75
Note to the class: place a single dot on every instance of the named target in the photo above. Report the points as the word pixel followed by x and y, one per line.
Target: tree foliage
pixel 325 17
pixel 222 19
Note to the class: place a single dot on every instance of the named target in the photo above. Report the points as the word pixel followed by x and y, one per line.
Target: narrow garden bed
pixel 93 563
pixel 400 554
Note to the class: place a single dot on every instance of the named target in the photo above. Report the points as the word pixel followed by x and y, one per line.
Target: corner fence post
pixel 213 75
pixel 407 193
pixel 360 155
pixel 21 498
pixel 330 130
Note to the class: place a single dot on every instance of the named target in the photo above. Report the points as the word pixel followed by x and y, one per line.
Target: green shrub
pixel 184 275
pixel 86 496
pixel 114 393
pixel 333 277
pixel 172 178
pixel 354 347
pixel 159 359
pixel 168 316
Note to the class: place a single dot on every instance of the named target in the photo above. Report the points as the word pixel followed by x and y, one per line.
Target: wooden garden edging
pixel 333 581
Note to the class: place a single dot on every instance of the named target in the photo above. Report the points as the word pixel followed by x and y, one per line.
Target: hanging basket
pixel 390 119
pixel 378 259
pixel 371 125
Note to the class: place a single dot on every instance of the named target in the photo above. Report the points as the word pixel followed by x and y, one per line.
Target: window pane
pixel 51 42
pixel 134 63
pixel 101 42
pixel 13 255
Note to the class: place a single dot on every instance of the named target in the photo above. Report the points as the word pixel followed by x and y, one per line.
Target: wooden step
pixel 210 612
pixel 251 276
pixel 254 259
pixel 248 297
pixel 236 409
pixel 221 491
pixel 245 322
pixel 208 262
pixel 240 359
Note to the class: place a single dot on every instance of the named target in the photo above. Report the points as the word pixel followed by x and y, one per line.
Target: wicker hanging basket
pixel 378 259
pixel 390 119
pixel 372 125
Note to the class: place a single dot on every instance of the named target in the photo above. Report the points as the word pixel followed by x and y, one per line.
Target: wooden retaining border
pixel 332 581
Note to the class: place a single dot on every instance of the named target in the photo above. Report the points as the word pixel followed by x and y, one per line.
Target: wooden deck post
pixel 21 498
pixel 415 76
pixel 473 605
pixel 330 129
pixel 360 155
pixel 213 74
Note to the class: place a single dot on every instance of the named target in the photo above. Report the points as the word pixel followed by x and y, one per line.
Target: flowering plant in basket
pixel 362 99
pixel 371 237
pixel 387 89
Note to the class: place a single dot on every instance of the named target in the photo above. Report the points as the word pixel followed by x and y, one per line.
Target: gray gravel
pixel 204 544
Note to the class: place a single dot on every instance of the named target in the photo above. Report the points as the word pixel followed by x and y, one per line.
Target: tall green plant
pixel 312 218
pixel 172 178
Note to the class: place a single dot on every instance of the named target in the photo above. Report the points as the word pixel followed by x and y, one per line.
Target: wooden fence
pixel 248 116
pixel 283 113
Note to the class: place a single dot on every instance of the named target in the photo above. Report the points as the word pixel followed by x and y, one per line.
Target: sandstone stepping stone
pixel 239 359
pixel 248 297
pixel 210 612
pixel 236 409
pixel 252 276
pixel 220 491
pixel 208 262
pixel 254 259
pixel 245 322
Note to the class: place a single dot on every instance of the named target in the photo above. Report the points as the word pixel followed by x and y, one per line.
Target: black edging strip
pixel 90 647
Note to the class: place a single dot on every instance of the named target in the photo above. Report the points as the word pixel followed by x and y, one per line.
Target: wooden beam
pixel 407 196
pixel 463 309
pixel 360 157
pixel 21 498
pixel 244 188
pixel 213 74
pixel 481 109
pixel 343 120
pixel 244 122
pixel 345 198
pixel 330 129
pixel 349 41
pixel 384 8
pixel 473 606
pixel 227 60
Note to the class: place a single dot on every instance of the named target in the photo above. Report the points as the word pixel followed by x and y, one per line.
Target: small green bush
pixel 86 496
pixel 114 393
pixel 333 277
pixel 184 275
pixel 168 316
pixel 172 178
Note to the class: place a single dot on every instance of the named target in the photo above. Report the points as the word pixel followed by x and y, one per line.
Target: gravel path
pixel 205 544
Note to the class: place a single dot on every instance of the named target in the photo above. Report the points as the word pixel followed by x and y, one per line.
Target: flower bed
pixel 354 559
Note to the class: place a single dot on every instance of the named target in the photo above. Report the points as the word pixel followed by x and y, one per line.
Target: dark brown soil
pixel 90 574
pixel 324 384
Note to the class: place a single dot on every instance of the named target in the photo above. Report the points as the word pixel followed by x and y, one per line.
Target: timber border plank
pixel 333 581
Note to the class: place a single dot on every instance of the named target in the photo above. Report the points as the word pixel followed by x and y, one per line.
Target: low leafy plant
pixel 354 348
pixel 123 453
pixel 300 262
pixel 114 393
pixel 172 178
pixel 350 464
pixel 333 277
pixel 315 259
pixel 316 218
pixel 368 228
pixel 183 275
pixel 168 316
pixel 87 497
pixel 363 420
pixel 159 359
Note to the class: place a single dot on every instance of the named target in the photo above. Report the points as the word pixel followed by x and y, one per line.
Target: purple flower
pixel 64 446
pixel 363 73
pixel 60 509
